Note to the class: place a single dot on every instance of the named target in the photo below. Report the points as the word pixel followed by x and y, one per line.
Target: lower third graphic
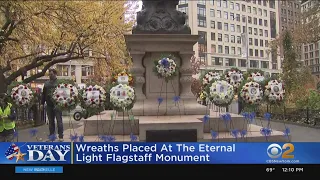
pixel 14 151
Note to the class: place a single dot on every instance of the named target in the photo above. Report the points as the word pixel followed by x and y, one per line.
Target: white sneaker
pixel 60 140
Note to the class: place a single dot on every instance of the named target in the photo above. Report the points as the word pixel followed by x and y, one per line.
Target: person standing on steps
pixel 7 117
pixel 52 112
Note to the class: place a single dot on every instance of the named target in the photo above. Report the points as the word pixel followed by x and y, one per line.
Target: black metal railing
pixel 34 114
pixel 303 116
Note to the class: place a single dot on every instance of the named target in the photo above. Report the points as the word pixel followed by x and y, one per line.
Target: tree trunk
pixel 3 82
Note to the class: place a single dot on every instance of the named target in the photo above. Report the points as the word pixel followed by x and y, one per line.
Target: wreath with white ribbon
pixel 221 93
pixel 234 77
pixel 93 96
pixel 165 68
pixel 22 95
pixel 274 92
pixel 209 76
pixel 251 93
pixel 122 97
pixel 256 77
pixel 65 97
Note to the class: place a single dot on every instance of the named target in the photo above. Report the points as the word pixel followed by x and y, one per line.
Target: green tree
pixel 310 101
pixel 295 76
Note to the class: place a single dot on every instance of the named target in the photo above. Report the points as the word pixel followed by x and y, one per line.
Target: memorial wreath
pixel 122 97
pixel 65 96
pixel 220 93
pixel 234 77
pixel 93 97
pixel 22 95
pixel 115 77
pixel 166 68
pixel 251 93
pixel 274 92
pixel 208 76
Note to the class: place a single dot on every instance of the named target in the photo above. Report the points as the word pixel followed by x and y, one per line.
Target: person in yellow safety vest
pixel 7 117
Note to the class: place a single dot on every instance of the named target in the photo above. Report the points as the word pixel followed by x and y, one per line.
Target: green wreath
pixel 16 97
pixel 166 68
pixel 61 98
pixel 208 76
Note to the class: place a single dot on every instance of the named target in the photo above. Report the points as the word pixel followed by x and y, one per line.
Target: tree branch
pixel 47 66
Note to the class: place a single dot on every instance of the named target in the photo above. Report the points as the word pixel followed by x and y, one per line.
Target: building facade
pixel 310 52
pixel 289 17
pixel 231 30
pixel 77 70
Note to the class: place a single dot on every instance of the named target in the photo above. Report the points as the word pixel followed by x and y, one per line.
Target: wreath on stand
pixel 255 75
pixel 208 76
pixel 130 80
pixel 251 93
pixel 21 95
pixel 22 98
pixel 65 96
pixel 122 97
pixel 92 100
pixel 234 77
pixel 274 92
pixel 166 68
pixel 220 93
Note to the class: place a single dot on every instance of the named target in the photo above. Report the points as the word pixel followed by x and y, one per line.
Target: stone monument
pixel 160 30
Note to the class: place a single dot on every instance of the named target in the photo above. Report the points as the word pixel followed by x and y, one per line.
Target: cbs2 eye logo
pixel 275 151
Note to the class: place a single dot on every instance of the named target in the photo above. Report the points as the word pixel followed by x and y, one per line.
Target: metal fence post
pixel 307 114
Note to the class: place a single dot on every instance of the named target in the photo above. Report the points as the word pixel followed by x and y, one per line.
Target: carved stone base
pixel 183 107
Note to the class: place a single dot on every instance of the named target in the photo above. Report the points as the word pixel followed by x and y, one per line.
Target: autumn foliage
pixel 42 33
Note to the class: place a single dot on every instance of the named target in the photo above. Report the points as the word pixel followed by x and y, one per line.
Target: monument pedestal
pixel 147 48
pixel 121 129
pixel 151 107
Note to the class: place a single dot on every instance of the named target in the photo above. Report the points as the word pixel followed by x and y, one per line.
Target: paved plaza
pixel 298 133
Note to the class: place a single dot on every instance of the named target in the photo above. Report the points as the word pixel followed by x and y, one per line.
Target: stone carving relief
pixel 140 79
pixel 186 79
pixel 161 17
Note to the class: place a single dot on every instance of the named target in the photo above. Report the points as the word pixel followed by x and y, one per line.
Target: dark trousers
pixel 53 114
pixel 7 135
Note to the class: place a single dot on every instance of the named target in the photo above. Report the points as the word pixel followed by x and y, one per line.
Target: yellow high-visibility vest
pixel 6 123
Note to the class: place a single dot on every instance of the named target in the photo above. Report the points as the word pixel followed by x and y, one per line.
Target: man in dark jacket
pixel 52 112
pixel 7 117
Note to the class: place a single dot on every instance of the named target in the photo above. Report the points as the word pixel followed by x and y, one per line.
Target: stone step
pixel 170 123
pixel 151 108
pixel 217 124
pixel 253 135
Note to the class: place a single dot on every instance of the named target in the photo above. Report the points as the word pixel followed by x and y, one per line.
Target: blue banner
pixel 159 153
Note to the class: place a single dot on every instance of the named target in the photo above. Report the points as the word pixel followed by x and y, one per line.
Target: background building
pixel 289 17
pixel 77 70
pixel 223 26
pixel 310 52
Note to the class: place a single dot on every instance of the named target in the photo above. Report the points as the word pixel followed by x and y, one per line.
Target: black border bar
pixel 169 170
